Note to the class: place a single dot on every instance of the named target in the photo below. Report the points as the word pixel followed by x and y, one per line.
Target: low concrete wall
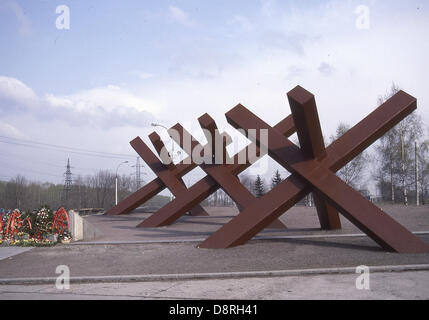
pixel 81 229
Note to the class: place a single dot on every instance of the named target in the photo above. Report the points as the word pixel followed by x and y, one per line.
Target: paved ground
pixel 300 221
pixel 405 285
pixel 7 252
pixel 179 258
pixel 327 250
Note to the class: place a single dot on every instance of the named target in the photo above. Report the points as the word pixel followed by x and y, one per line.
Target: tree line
pixel 91 191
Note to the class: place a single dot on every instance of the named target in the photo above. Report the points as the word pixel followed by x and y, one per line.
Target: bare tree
pixel 92 191
pixel 395 153
pixel 15 192
pixel 352 172
pixel 422 166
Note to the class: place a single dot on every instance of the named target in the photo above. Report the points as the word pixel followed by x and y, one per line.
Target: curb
pixel 214 276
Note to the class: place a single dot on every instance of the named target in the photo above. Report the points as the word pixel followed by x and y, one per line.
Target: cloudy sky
pixel 125 64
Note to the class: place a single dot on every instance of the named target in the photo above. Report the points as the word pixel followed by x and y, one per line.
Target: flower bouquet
pixel 65 237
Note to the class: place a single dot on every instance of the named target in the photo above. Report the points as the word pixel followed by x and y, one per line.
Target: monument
pixel 312 166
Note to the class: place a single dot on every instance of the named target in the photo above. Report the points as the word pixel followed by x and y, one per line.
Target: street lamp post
pixel 116 182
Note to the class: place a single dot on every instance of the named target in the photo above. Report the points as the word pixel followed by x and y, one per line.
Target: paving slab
pixel 7 252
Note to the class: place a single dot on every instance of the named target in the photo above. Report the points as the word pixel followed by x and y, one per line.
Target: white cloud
pixel 23 21
pixel 109 98
pixel 179 16
pixel 141 75
pixel 243 22
pixel 104 107
pixel 268 7
pixel 145 75
pixel 15 91
pixel 203 63
pixel 326 69
pixel 8 130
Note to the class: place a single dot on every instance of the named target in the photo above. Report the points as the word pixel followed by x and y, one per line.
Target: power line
pixel 20 158
pixel 74 152
pixel 64 147
pixel 29 170
pixel 31 160
pixel 47 146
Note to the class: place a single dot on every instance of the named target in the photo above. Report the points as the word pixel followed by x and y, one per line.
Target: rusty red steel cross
pixel 164 172
pixel 169 176
pixel 220 173
pixel 312 166
pixel 168 173
pixel 202 189
pixel 206 186
pixel 224 176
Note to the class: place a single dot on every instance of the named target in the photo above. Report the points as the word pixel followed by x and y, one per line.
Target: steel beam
pixel 150 190
pixel 160 148
pixel 306 119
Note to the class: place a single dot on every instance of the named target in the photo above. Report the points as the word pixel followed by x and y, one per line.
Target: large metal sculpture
pixel 169 176
pixel 312 168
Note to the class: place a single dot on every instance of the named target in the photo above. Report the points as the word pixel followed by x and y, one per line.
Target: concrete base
pixel 81 229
